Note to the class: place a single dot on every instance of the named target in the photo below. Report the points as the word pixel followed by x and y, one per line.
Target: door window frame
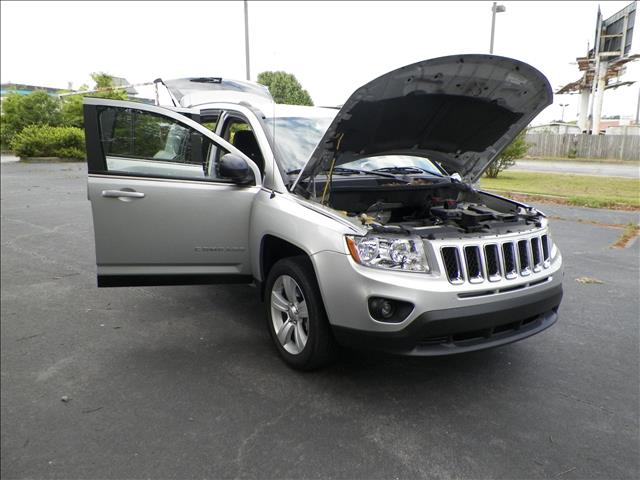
pixel 274 176
pixel 96 157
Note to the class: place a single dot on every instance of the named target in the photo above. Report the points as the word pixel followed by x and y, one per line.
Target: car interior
pixel 238 132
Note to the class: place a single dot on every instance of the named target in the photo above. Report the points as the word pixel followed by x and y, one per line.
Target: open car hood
pixel 198 90
pixel 460 111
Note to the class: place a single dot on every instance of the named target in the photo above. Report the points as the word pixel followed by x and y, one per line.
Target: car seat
pixel 245 141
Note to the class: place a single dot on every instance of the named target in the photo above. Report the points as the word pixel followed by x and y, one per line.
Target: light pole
pixel 563 105
pixel 246 38
pixel 638 109
pixel 495 9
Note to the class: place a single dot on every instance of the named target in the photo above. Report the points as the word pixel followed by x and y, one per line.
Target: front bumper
pixel 463 329
pixel 446 318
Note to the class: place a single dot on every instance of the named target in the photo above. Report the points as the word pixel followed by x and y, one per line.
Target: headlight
pixel 394 253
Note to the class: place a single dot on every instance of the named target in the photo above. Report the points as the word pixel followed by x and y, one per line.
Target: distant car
pixel 360 226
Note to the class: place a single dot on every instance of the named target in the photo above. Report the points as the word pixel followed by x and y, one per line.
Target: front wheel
pixel 296 317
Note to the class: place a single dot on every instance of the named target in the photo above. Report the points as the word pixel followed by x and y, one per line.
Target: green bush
pixel 48 141
pixel 507 158
pixel 72 113
pixel 37 108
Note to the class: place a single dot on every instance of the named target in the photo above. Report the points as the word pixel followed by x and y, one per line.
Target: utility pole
pixel 585 93
pixel 601 80
pixel 246 38
pixel 494 9
pixel 638 109
pixel 563 105
pixel 596 72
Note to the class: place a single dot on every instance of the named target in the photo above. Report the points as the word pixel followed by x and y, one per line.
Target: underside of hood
pixel 460 111
pixel 198 90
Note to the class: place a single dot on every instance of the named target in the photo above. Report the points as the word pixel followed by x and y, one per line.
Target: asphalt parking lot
pixel 183 382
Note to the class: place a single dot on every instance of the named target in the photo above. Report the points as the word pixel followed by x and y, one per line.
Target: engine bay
pixel 428 206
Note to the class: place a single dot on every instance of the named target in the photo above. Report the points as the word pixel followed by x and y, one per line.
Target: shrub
pixel 37 108
pixel 5 137
pixel 72 114
pixel 507 158
pixel 48 141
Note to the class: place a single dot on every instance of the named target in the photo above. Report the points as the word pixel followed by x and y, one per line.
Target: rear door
pixel 162 214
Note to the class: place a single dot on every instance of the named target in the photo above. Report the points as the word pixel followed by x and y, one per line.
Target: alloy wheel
pixel 289 314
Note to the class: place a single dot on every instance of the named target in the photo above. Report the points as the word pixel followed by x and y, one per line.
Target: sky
pixel 331 47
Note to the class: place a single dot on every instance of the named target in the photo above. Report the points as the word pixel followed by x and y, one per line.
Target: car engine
pixel 429 207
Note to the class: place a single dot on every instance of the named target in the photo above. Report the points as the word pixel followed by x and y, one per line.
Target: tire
pixel 298 326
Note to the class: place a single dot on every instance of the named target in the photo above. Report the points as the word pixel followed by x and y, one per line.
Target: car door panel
pixel 175 224
pixel 159 222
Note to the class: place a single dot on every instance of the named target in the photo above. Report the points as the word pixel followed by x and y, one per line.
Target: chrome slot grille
pixel 545 250
pixel 474 264
pixel 510 268
pixel 536 256
pixel 452 264
pixel 523 258
pixel 495 261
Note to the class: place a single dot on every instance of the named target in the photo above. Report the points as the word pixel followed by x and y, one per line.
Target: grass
pixel 630 232
pixel 579 190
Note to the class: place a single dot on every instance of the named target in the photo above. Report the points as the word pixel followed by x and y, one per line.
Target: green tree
pixel 19 111
pixel 507 158
pixel 72 112
pixel 104 82
pixel 285 88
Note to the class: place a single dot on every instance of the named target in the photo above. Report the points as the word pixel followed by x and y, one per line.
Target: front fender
pixel 286 217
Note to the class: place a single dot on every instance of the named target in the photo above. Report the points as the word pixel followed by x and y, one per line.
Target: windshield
pixel 298 130
pixel 394 161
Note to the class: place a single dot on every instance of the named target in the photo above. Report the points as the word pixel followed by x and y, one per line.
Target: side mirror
pixel 236 169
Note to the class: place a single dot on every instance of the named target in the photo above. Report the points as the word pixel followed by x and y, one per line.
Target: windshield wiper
pixel 349 171
pixel 406 170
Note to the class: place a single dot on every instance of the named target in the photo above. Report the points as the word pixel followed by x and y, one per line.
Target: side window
pixel 232 127
pixel 239 134
pixel 209 118
pixel 143 143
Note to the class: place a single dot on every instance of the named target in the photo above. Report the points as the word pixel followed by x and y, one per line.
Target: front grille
pixel 545 250
pixel 494 261
pixel 474 264
pixel 536 256
pixel 452 264
pixel 523 258
pixel 510 268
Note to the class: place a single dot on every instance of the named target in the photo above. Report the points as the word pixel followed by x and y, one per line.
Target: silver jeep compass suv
pixel 361 226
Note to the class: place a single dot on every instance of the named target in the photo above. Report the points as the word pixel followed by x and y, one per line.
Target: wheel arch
pixel 274 248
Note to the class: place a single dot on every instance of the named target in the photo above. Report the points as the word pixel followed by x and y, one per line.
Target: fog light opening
pixel 388 310
pixel 382 308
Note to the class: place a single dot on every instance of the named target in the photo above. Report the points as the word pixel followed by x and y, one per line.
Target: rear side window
pixel 146 144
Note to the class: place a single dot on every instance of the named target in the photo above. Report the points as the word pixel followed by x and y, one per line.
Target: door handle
pixel 122 193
